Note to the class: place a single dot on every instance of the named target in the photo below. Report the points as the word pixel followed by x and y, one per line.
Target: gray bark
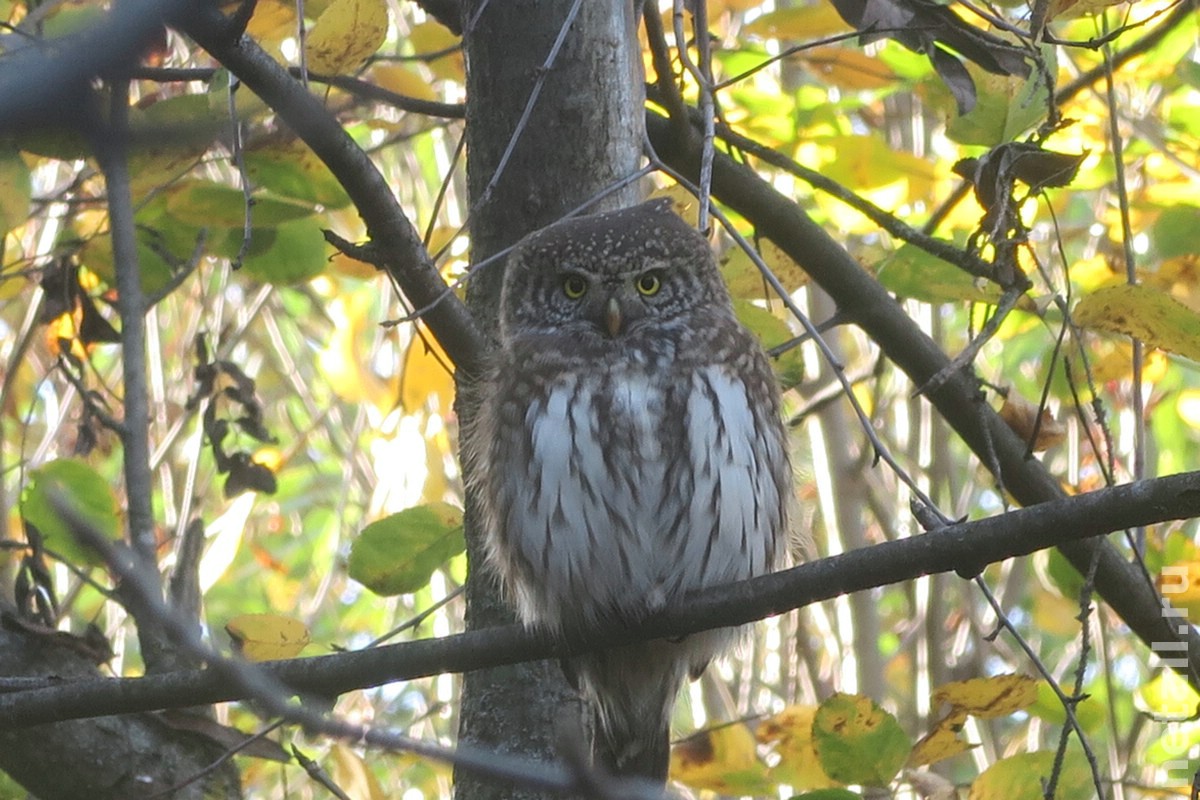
pixel 106 758
pixel 584 134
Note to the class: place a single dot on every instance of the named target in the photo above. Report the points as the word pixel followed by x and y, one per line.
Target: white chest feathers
pixel 638 492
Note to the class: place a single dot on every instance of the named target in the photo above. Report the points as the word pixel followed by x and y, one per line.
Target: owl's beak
pixel 612 317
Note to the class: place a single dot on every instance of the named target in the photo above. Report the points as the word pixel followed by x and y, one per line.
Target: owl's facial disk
pixel 612 309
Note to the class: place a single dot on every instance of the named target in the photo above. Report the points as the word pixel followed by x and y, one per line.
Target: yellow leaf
pixel 789 733
pixel 345 359
pixel 427 374
pixel 353 776
pixel 800 22
pixel 997 696
pixel 847 68
pixel 1069 9
pixel 746 281
pixel 1115 363
pixel 404 81
pixel 1145 313
pixel 1168 696
pixel 433 37
pixel 942 742
pixel 722 760
pixel 346 34
pixel 273 21
pixel 1188 405
pixel 1180 585
pixel 265 637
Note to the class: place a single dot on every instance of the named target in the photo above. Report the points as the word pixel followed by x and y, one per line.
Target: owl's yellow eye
pixel 574 287
pixel 648 284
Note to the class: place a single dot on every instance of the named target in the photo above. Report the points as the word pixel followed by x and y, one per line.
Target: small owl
pixel 628 450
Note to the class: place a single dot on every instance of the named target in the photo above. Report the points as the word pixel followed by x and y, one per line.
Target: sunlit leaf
pixel 745 280
pixel 403 81
pixel 272 21
pixel 345 361
pixel 1168 696
pixel 1188 406
pixel 224 537
pixel 859 742
pixel 428 374
pixel 1006 107
pixel 915 273
pixel 941 742
pixel 1145 313
pixel 997 696
pixel 847 68
pixel 397 554
pixel 267 637
pixel 802 23
pixel 789 734
pixel 1067 9
pixel 1020 777
pixel 722 760
pixel 75 483
pixel 772 332
pixel 346 34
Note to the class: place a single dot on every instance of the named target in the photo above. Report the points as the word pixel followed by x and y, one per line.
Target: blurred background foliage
pixel 310 426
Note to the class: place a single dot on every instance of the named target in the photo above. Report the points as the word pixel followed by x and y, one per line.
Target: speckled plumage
pixel 628 450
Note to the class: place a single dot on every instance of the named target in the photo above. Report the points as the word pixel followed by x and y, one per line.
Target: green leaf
pixel 1174 233
pixel 829 794
pixel 858 742
pixel 772 332
pixel 1006 107
pixel 299 252
pixel 208 203
pixel 1020 777
pixel 1144 312
pixel 14 191
pixel 292 170
pixel 914 273
pixel 74 482
pixel 397 554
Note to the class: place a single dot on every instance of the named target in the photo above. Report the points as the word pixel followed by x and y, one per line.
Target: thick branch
pixel 965 548
pixel 390 230
pixel 862 300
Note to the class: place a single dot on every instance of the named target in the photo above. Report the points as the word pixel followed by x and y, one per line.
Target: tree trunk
pixel 584 134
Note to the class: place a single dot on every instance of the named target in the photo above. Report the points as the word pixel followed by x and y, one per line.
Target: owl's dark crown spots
pixel 618 239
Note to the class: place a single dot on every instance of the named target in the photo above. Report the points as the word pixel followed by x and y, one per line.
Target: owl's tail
pixel 632 691
pixel 645 752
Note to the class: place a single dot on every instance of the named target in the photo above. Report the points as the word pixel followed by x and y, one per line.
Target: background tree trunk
pixel 584 134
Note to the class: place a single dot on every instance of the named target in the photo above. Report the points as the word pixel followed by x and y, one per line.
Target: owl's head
pixel 607 276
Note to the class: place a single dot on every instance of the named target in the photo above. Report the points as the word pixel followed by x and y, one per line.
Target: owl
pixel 628 449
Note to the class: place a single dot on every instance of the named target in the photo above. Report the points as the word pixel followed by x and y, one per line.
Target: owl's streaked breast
pixel 643 485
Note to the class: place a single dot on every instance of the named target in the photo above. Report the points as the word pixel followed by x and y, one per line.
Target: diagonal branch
pixel 867 304
pixel 391 233
pixel 964 548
